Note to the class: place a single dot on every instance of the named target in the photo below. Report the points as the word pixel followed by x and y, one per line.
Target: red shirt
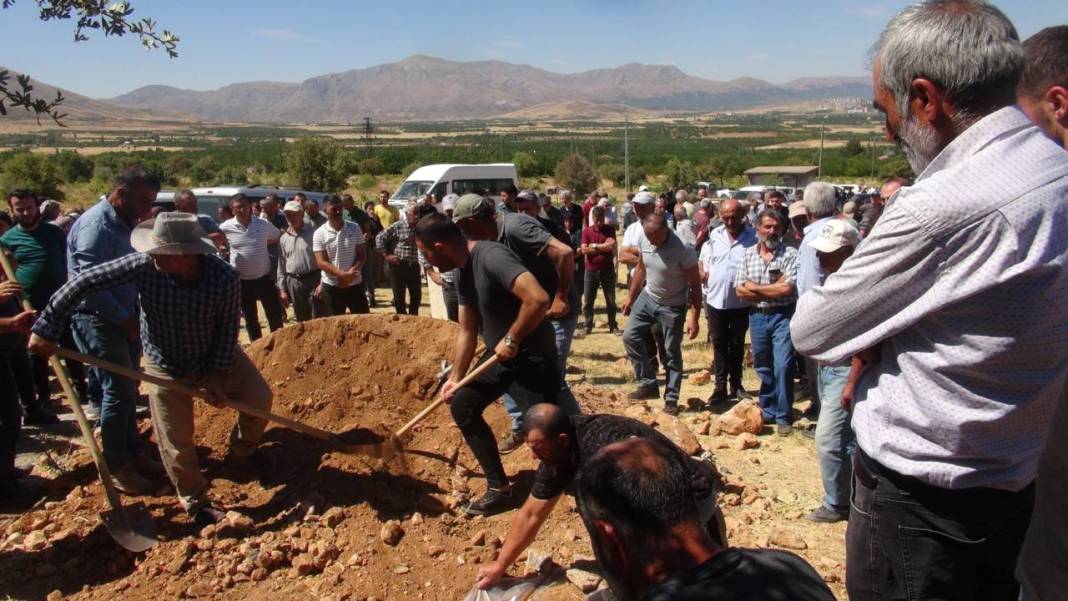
pixel 593 235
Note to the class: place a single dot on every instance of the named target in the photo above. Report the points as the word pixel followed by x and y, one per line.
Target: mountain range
pixel 427 88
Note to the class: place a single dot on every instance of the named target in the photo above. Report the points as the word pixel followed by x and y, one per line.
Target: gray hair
pixel 770 214
pixel 682 196
pixel 967 47
pixel 820 199
pixel 755 196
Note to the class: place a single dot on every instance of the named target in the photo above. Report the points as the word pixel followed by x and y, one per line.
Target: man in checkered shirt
pixel 766 279
pixel 190 312
pixel 397 244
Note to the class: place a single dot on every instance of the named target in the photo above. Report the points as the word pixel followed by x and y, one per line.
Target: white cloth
pixel 962 286
pixel 248 246
pixel 340 247
pixel 720 257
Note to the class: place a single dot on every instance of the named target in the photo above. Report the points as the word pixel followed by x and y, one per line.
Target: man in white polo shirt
pixel 248 238
pixel 340 252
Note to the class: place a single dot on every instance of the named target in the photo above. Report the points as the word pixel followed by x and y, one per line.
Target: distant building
pixel 794 177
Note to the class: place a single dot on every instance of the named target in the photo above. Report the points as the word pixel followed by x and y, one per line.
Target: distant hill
pixel 427 88
pixel 81 109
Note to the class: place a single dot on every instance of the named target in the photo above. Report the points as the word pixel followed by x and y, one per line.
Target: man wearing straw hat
pixel 190 311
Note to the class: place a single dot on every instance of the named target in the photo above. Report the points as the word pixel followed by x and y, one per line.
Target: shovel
pixel 130 526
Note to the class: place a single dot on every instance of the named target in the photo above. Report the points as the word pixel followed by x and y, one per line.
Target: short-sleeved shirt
pixel 386 215
pixel 720 257
pixel 633 236
pixel 485 284
pixel 208 224
pixel 591 433
pixel 340 247
pixel 753 268
pixel 248 246
pixel 595 235
pixel 41 254
pixel 665 267
pixel 738 573
pixel 528 238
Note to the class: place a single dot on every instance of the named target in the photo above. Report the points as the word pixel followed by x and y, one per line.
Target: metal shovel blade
pixel 131 526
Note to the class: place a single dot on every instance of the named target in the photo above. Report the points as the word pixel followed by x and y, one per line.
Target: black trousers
pixel 10 418
pixel 605 279
pixel 530 379
pixel 726 331
pixel 452 302
pixel 909 540
pixel 264 291
pixel 353 298
pixel 403 277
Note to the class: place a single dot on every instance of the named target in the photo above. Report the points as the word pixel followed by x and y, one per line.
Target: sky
pixel 231 41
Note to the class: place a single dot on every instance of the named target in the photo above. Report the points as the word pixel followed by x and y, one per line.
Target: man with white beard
pixel 953 302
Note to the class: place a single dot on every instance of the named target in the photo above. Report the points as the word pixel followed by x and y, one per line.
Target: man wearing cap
pixel 552 263
pixel 629 254
pixel 340 251
pixel 299 276
pixel 820 203
pixel 190 311
pixel 835 441
pixel 799 221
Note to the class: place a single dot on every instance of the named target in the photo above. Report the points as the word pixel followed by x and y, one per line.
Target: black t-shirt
pixel 527 237
pixel 485 283
pixel 590 434
pixel 757 574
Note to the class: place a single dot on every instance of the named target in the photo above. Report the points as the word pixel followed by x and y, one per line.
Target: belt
pixel 783 309
pixel 304 275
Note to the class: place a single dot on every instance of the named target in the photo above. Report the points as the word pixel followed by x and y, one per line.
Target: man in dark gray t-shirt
pixel 498 295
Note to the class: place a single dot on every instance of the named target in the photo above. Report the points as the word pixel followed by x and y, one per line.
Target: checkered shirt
pixel 398 239
pixel 189 331
pixel 753 268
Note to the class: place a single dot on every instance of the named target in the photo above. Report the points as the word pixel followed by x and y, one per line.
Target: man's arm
pixel 90 249
pixel 323 261
pixel 525 525
pixel 535 303
pixel 759 292
pixel 693 277
pixel 563 259
pixel 637 282
pixel 629 255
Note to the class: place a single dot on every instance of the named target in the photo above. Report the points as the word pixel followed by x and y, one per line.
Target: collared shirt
pixel 340 247
pixel 686 230
pixel 398 239
pixel 41 254
pixel 386 215
pixel 809 272
pixel 188 330
pixel 248 246
pixel 99 236
pixel 961 284
pixel 295 255
pixel 754 269
pixel 720 257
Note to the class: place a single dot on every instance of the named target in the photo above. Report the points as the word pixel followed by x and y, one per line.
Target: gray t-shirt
pixel 527 238
pixel 665 280
pixel 485 284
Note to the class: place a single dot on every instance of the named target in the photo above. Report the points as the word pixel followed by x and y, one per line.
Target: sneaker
pixel 494 501
pixel 92 412
pixel 784 429
pixel 207 515
pixel 615 332
pixel 741 394
pixel 718 397
pixel 40 417
pixel 644 393
pixel 671 408
pixel 826 515
pixel 510 442
pixel 130 481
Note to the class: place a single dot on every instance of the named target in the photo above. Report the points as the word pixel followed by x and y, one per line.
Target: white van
pixel 210 199
pixel 439 180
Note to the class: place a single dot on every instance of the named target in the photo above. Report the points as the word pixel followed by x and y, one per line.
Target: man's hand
pixel 693 326
pixel 393 259
pixel 626 307
pixel 132 327
pixel 23 321
pixel 504 352
pixel 216 396
pixel 9 289
pixel 283 297
pixel 448 390
pixel 318 292
pixel 42 347
pixel 489 574
pixel 558 309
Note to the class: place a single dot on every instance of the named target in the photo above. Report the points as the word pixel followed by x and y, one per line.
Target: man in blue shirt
pixel 105 323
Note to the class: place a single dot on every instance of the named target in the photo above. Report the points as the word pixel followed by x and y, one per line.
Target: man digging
pixel 190 312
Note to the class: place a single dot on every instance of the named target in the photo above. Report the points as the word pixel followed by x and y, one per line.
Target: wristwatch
pixel 509 341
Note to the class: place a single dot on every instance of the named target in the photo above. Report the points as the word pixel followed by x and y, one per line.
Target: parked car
pixel 209 199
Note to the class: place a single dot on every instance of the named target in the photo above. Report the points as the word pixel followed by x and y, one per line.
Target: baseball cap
pixel 643 188
pixel 528 196
pixel 644 197
pixel 797 209
pixel 471 205
pixel 292 206
pixel 849 207
pixel 835 234
pixel 449 202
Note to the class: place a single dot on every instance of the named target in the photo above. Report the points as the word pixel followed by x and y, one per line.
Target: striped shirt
pixel 248 246
pixel 962 285
pixel 340 247
pixel 188 330
pixel 753 268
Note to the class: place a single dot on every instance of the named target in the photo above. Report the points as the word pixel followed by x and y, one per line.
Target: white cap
pixel 643 188
pixel 292 206
pixel 448 203
pixel 644 197
pixel 835 234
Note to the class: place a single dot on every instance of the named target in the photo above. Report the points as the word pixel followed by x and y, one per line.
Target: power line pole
pixel 819 168
pixel 367 130
pixel 626 153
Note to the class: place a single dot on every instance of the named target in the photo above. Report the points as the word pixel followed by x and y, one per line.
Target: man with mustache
pixel 951 301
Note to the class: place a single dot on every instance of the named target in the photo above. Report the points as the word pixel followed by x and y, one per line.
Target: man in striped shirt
pixel 248 238
pixel 340 252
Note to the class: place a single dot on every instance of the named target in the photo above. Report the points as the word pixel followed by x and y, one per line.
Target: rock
pixel 700 378
pixel 479 539
pixel 586 581
pixel 239 521
pixel 35 541
pixel 640 412
pixel 401 569
pixel 391 532
pixel 787 540
pixel 417 518
pixel 435 550
pixel 332 517
pixel 55 595
pixel 731 499
pixel 745 441
pixel 259 575
pixel 199 589
pixel 704 428
pixel 721 443
pixel 539 561
pixel 679 433
pixel 745 416
pixel 303 564
pixel 208 531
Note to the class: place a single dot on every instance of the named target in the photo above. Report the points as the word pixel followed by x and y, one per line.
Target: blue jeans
pixel 773 358
pixel 645 315
pixel 835 441
pixel 565 332
pixel 118 411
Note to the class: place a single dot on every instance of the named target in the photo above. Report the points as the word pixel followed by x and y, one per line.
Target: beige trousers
pixel 172 419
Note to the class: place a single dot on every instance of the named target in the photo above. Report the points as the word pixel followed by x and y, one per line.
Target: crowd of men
pixel 925 320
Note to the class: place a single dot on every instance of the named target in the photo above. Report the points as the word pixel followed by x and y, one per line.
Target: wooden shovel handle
pixel 475 373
